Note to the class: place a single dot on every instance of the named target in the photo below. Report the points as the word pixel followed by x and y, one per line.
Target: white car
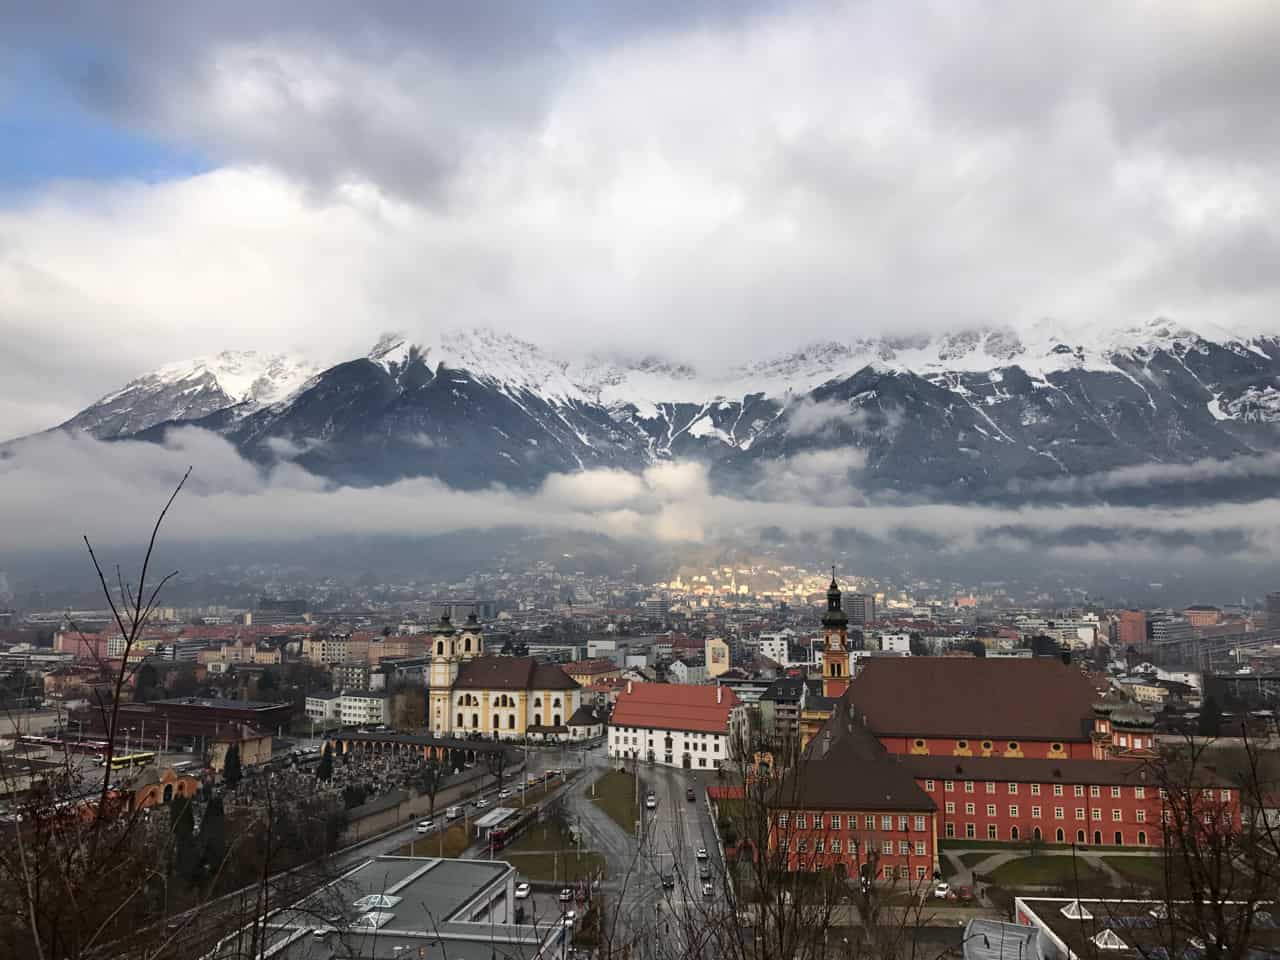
pixel 570 917
pixel 566 895
pixel 708 890
pixel 941 890
pixel 651 802
pixel 702 853
pixel 481 803
pixel 426 826
pixel 504 794
pixel 522 891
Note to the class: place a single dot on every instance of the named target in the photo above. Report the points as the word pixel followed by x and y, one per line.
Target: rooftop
pixel 1138 929
pixel 392 907
pixel 846 768
pixel 1020 699
pixel 675 706
pixel 512 673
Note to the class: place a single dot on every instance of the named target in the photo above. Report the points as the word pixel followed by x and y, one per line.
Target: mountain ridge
pixel 962 413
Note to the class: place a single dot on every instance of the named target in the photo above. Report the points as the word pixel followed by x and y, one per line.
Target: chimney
pixel 719 693
pixel 628 686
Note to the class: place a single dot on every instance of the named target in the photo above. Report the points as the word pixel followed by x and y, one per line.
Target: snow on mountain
pixel 191 389
pixel 490 356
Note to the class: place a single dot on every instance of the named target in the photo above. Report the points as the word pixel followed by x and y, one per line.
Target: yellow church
pixel 495 696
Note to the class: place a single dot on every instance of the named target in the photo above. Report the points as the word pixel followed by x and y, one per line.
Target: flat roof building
pixel 390 907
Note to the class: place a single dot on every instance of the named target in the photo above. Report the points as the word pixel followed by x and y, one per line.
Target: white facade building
pixel 359 707
pixel 676 725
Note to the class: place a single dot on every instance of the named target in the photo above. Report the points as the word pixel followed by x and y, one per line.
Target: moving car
pixel 453 813
pixel 504 794
pixel 522 891
pixel 708 890
pixel 941 890
pixel 669 881
pixel 566 895
pixel 688 794
pixel 702 853
pixel 704 873
pixel 481 803
pixel 650 801
pixel 426 826
pixel 570 916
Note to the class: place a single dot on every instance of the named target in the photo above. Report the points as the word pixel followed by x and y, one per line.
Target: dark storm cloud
pixel 111 490
pixel 640 177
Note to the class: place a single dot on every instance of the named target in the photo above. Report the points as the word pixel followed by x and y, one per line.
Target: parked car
pixel 708 890
pixel 426 826
pixel 941 890
pixel 522 891
pixel 566 895
pixel 702 853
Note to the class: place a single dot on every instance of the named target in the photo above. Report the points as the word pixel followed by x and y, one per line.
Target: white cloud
pixel 751 181
pixel 111 491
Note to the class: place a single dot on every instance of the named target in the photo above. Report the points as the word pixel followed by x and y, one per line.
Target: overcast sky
pixel 713 181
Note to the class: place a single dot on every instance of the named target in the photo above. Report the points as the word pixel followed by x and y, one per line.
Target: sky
pixel 712 182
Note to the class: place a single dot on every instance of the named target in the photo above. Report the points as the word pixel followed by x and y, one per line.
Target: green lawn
pixel 452 844
pixel 615 792
pixel 541 837
pixel 1144 871
pixel 1046 872
pixel 556 868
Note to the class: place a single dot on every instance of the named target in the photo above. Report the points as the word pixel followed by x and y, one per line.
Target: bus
pixel 126 760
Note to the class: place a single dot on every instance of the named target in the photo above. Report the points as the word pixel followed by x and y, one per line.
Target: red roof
pixel 675 706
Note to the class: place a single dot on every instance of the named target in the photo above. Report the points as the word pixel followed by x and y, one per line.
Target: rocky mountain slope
pixel 972 414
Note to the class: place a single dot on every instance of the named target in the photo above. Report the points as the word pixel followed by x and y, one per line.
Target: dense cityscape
pixel 639 481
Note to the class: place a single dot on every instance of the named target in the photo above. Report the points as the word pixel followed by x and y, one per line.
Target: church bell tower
pixel 835 654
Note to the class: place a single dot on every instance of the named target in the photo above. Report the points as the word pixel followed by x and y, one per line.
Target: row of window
pixel 1059 813
pixel 905 848
pixel 1011 747
pixel 1060 835
pixel 1139 792
pixel 511 721
pixel 835 821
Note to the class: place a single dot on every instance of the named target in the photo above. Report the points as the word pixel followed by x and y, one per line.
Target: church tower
pixel 835 655
pixel 470 639
pixel 444 671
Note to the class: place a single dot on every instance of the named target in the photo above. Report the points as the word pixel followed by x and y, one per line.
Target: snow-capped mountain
pixel 964 413
pixel 242 380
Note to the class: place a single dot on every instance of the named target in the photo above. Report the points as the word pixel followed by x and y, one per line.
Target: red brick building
pixel 923 749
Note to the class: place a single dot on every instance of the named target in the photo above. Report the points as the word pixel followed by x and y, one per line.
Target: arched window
pixel 1119 839
pixel 511 722
pixel 459 723
pixel 1062 836
pixel 1013 833
pixel 537 719
pixel 439 648
pixel 475 721
pixel 1097 837
pixel 497 722
pixel 1142 838
pixel 537 702
pixel 467 645
pixel 556 703
pixel 555 720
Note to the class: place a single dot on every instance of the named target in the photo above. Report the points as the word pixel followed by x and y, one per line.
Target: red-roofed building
pixel 677 725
